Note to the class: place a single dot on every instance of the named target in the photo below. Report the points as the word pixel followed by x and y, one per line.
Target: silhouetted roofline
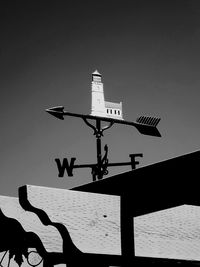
pixel 155 187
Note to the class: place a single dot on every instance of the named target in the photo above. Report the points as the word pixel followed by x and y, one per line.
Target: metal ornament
pixel 145 125
pixel 107 112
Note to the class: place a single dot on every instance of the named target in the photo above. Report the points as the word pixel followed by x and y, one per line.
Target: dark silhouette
pixel 71 255
pixel 17 241
pixel 145 125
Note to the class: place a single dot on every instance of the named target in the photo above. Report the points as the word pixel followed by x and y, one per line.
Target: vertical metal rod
pixel 98 138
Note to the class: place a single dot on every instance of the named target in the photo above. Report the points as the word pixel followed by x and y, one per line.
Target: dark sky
pixel 148 53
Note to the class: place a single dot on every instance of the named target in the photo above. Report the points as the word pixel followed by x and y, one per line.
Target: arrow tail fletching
pixel 147 125
pixel 150 121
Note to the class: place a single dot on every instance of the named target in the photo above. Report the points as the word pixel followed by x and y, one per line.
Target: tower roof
pixel 96 73
pixel 113 105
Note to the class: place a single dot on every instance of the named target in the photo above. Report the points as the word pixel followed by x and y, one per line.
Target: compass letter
pixel 65 165
pixel 133 161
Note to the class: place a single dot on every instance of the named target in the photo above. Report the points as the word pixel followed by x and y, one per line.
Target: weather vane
pixel 111 113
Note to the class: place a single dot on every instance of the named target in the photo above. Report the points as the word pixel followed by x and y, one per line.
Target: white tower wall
pixel 98 101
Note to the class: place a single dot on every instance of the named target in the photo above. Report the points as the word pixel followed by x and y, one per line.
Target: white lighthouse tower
pixel 100 107
pixel 98 102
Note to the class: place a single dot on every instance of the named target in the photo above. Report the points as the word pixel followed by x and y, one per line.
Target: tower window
pixel 96 78
pixel 111 111
pixel 107 110
pixel 118 112
pixel 115 112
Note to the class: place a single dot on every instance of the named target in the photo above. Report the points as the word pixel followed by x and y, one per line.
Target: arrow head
pixel 57 112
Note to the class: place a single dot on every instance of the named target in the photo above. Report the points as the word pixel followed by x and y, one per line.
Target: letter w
pixel 65 165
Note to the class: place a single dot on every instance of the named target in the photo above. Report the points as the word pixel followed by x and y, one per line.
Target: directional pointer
pixel 145 125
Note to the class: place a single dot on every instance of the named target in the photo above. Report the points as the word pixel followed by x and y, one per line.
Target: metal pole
pixel 98 138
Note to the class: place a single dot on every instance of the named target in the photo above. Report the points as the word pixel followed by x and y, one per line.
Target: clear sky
pixel 148 53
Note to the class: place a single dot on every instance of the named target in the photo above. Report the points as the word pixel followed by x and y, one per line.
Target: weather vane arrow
pixel 144 124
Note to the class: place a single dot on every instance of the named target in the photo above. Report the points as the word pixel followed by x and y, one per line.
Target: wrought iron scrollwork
pixel 104 161
pixel 34 258
pixel 71 255
pixel 90 125
pixel 103 165
pixel 16 241
pixel 98 131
